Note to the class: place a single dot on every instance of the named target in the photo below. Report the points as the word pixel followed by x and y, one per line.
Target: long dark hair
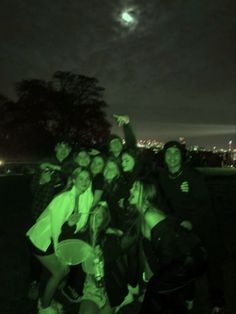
pixel 149 194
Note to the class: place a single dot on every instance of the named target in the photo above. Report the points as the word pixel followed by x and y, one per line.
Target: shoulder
pixel 193 173
pixel 60 198
pixel 153 217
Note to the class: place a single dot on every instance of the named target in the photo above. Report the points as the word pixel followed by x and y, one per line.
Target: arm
pixel 130 138
pixel 85 204
pixel 97 197
pixel 58 212
pixel 45 165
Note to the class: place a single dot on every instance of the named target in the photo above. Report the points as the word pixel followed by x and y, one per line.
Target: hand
pixel 94 152
pixel 187 225
pixel 73 219
pixel 55 167
pixel 97 250
pixel 121 203
pixel 49 165
pixel 128 299
pixel 184 186
pixel 83 229
pixel 114 231
pixel 45 177
pixel 121 119
pixel 217 310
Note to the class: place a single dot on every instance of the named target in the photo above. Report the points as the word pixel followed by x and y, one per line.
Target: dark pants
pixel 168 289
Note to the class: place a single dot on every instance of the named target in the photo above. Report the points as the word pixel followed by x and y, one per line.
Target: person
pixel 82 158
pixel 49 179
pixel 71 209
pixel 105 285
pixel 72 290
pixel 115 145
pixel 173 257
pixel 114 191
pixel 123 226
pixel 187 200
pixel 95 298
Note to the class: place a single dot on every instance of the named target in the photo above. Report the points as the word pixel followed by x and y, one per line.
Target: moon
pixel 129 17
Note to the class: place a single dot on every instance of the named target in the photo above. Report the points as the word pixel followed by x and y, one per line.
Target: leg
pixel 106 309
pixel 88 307
pixel 58 272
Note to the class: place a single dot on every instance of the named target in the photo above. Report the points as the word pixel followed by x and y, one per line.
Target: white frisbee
pixel 73 251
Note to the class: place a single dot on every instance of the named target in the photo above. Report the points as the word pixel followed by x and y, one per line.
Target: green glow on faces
pixel 128 162
pixel 97 165
pixel 111 171
pixel 82 181
pixel 115 146
pixel 173 158
pixel 82 159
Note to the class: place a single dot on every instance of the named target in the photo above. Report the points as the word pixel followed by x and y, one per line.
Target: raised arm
pixel 130 138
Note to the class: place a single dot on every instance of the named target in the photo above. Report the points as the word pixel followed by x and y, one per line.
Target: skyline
pixel 170 65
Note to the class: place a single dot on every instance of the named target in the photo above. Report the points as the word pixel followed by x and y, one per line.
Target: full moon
pixel 129 17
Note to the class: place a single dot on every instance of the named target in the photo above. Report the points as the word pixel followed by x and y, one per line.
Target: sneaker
pixel 71 294
pixel 33 292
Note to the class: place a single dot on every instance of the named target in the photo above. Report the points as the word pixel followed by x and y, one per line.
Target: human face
pixel 111 171
pixel 82 159
pixel 173 158
pixel 134 198
pixel 128 162
pixel 97 165
pixel 115 146
pixel 82 181
pixel 62 151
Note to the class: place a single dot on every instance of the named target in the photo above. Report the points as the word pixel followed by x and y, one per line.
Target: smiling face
pixel 111 171
pixel 128 162
pixel 82 159
pixel 82 181
pixel 173 158
pixel 97 165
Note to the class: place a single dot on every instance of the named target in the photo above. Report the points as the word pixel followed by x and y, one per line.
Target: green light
pixel 126 17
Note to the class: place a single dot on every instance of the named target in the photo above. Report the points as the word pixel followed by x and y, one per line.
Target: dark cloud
pixel 176 66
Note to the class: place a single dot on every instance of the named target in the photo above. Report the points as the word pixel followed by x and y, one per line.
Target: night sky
pixel 172 69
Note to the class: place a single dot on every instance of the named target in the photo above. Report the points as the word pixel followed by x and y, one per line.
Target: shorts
pixel 35 251
pixel 93 293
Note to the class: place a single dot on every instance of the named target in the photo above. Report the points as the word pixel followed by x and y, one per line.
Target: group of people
pixel 151 227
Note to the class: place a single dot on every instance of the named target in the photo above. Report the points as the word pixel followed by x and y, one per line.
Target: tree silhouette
pixel 70 105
